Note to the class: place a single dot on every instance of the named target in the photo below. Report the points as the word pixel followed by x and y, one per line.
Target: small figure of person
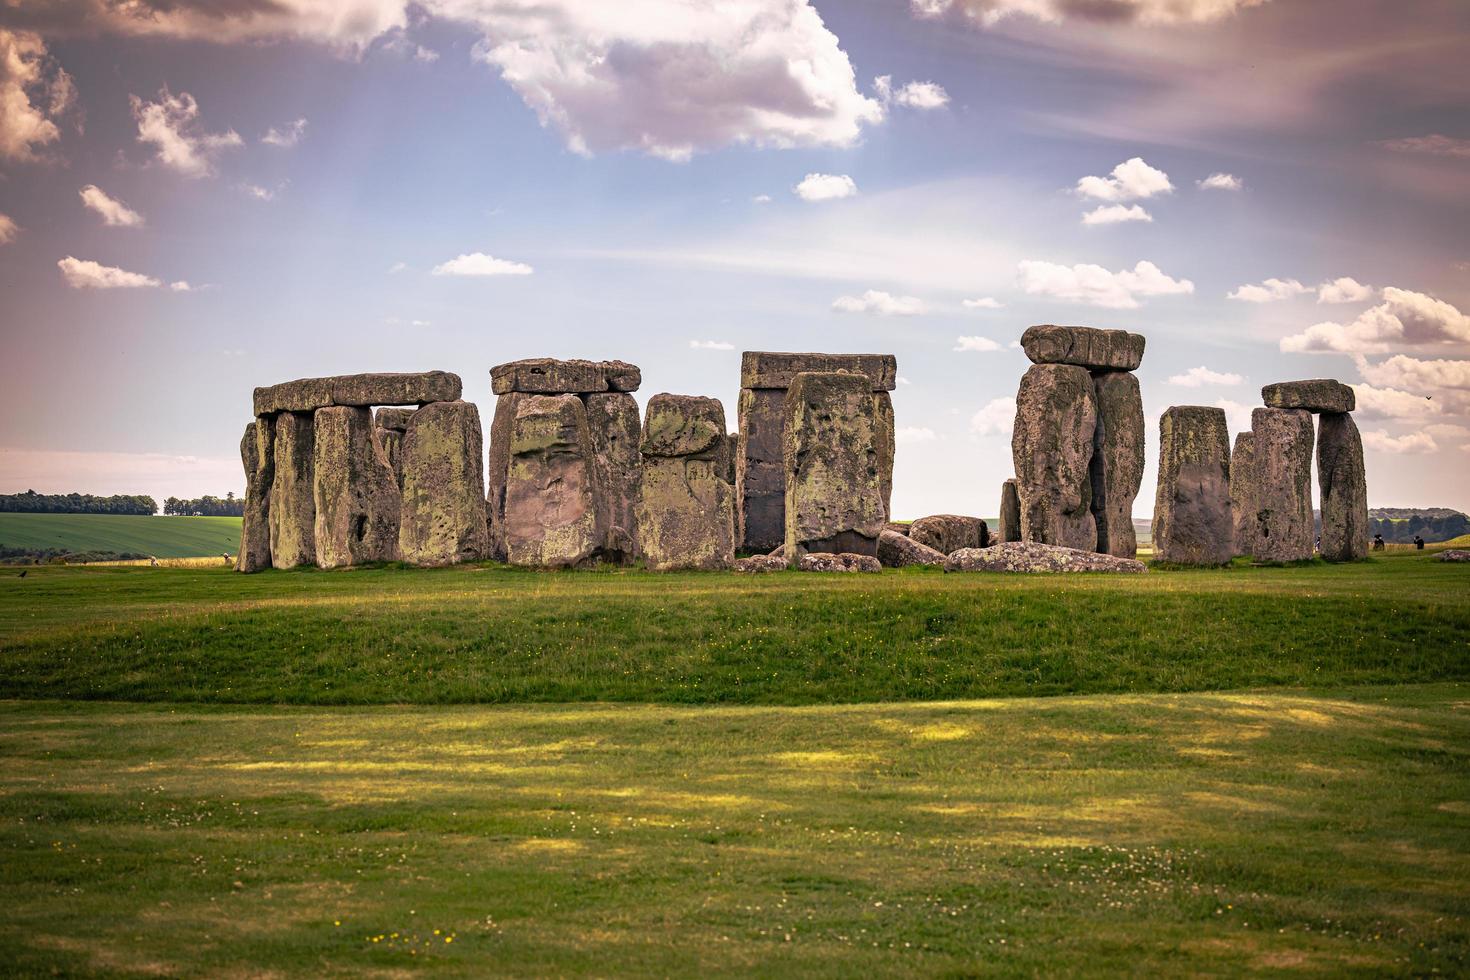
pixel 1378 542
pixel 226 557
pixel 152 562
pixel 1418 543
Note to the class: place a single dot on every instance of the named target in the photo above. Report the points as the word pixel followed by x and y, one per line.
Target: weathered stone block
pixel 778 369
pixel 887 447
pixel 1056 418
pixel 1283 468
pixel 1109 350
pixel 443 516
pixel 550 516
pixel 1010 511
pixel 841 562
pixel 617 467
pixel 686 507
pixel 354 490
pixel 767 563
pixel 1116 470
pixel 760 480
pixel 497 469
pixel 395 419
pixel 900 551
pixel 292 509
pixel 391 442
pixel 1344 485
pixel 946 533
pixel 1317 395
pixel 1192 508
pixel 550 376
pixel 309 394
pixel 832 437
pixel 1031 557
pixel 1243 493
pixel 257 453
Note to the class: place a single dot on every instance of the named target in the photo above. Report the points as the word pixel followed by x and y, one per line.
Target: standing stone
pixel 887 447
pixel 1056 418
pixel 391 443
pixel 1283 483
pixel 1192 510
pixel 396 419
pixel 1344 487
pixel 1117 461
pixel 443 514
pixel 686 505
pixel 550 511
pixel 257 453
pixel 612 424
pixel 760 469
pixel 946 533
pixel 1010 512
pixel 292 503
pixel 834 490
pixel 498 469
pixel 1243 493
pixel 354 490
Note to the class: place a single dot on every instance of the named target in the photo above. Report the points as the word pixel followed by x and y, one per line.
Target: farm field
pixel 164 537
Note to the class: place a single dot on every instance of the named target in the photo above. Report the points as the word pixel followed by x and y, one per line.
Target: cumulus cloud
pixel 1237 415
pixel 878 302
pixel 480 264
pixel 1411 372
pixel 285 136
pixel 1096 286
pixel 258 192
pixel 1220 182
pixel 182 286
pixel 825 187
pixel 914 95
pixel 997 418
pixel 1412 443
pixel 711 345
pixel 1343 290
pixel 1403 318
pixel 8 229
pixel 113 212
pixel 1112 214
pixel 983 303
pixel 975 344
pixel 1269 291
pixel 988 12
pixel 1130 180
pixel 171 126
pixel 1435 144
pixel 396 268
pixel 35 92
pixel 908 434
pixel 1198 377
pixel 86 274
pixel 1394 403
pixel 761 199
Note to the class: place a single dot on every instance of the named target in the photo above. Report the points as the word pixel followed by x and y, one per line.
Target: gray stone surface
pixel 1192 523
pixel 899 551
pixel 1243 493
pixel 1112 350
pixel 1317 395
pixel 497 469
pixel 550 376
pixel 354 490
pixel 686 508
pixel 292 508
pixel 391 442
pixel 887 446
pixel 950 532
pixel 1010 512
pixel 550 518
pixel 309 394
pixel 1051 446
pixel 841 562
pixel 760 475
pixel 257 454
pixel 778 369
pixel 1454 554
pixel 832 435
pixel 760 563
pixel 1284 522
pixel 395 419
pixel 1029 556
pixel 443 516
pixel 1116 470
pixel 1344 487
pixel 617 467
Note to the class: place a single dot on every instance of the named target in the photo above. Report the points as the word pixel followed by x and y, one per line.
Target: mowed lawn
pixel 162 537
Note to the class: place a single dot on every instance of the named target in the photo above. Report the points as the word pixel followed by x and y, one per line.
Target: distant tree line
pixel 32 502
pixel 205 506
pixel 1430 528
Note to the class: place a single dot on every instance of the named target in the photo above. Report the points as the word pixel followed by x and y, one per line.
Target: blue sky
pixel 649 166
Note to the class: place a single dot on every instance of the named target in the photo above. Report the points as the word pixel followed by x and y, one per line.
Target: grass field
pixel 164 537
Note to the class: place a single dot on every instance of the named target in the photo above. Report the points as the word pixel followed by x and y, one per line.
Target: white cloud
pixel 1393 403
pixel 761 199
pixel 35 92
pixel 1269 291
pixel 396 268
pixel 8 229
pixel 480 264
pixel 988 12
pixel 997 418
pixel 711 345
pixel 1412 443
pixel 908 434
pixel 1096 286
pixel 114 212
pixel 1447 430
pixel 1112 214
pixel 258 192
pixel 878 302
pixel 1403 318
pixel 86 274
pixel 1343 290
pixel 981 344
pixel 1130 180
pixel 1411 372
pixel 1198 377
pixel 914 95
pixel 1435 144
pixel 171 126
pixel 182 286
pixel 983 303
pixel 903 381
pixel 825 187
pixel 1237 415
pixel 419 323
pixel 287 136
pixel 1220 182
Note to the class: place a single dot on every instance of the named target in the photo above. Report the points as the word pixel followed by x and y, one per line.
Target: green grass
pixel 493 634
pixel 163 537
pixel 1211 834
pixel 1463 541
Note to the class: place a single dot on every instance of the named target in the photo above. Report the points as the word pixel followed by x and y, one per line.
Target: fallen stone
pixel 443 516
pixel 1116 469
pixel 617 467
pixel 354 489
pixel 395 419
pixel 1107 350
pixel 686 507
pixel 946 533
pixel 292 508
pixel 844 562
pixel 899 551
pixel 1454 554
pixel 309 394
pixel 550 509
pixel 257 454
pixel 760 474
pixel 1318 395
pixel 1010 512
pixel 1192 508
pixel 550 376
pixel 1243 493
pixel 834 501
pixel 1051 446
pixel 1283 467
pixel 1343 480
pixel 778 369
pixel 756 564
pixel 1030 556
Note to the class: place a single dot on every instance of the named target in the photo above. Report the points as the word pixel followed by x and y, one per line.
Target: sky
pixel 202 196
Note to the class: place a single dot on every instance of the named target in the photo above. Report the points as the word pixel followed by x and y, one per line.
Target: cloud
pixel 1269 291
pixel 171 126
pixel 983 303
pixel 35 92
pixel 396 268
pixel 182 286
pixel 1220 182
pixel 988 12
pixel 1411 372
pixel 1343 290
pixel 287 136
pixel 825 187
pixel 880 303
pixel 1198 377
pixel 1393 403
pixel 1413 443
pixel 1434 144
pixel 902 380
pixel 480 264
pixel 1447 430
pixel 914 95
pixel 1237 415
pixel 761 199
pixel 908 434
pixel 8 229
pixel 1096 286
pixel 981 344
pixel 1131 179
pixel 1112 214
pixel 1403 318
pixel 86 274
pixel 711 345
pixel 114 212
pixel 258 192
pixel 997 418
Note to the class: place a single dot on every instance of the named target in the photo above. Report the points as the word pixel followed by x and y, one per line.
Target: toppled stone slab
pixel 756 564
pixel 1317 395
pixel 778 369
pixel 1454 554
pixel 834 501
pixel 946 533
pixel 1116 470
pixel 550 376
pixel 1051 446
pixel 1089 347
pixel 686 507
pixel 1343 480
pixel 1192 508
pixel 1283 466
pixel 393 419
pixel 1030 556
pixel 292 508
pixel 1243 493
pixel 309 394
pixel 617 471
pixel 550 510
pixel 257 454
pixel 443 515
pixel 900 551
pixel 1010 512
pixel 354 489
pixel 844 562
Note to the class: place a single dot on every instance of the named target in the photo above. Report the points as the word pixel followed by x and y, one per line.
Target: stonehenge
pixel 257 453
pixel 1030 556
pixel 1243 492
pixel 686 503
pixel 443 513
pixel 1010 512
pixel 1283 470
pixel 1056 415
pixel 1192 524
pixel 550 510
pixel 354 490
pixel 897 550
pixel 292 505
pixel 1344 488
pixel 1116 470
pixel 950 532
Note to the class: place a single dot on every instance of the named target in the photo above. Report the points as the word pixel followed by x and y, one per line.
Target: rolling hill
pixel 163 537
